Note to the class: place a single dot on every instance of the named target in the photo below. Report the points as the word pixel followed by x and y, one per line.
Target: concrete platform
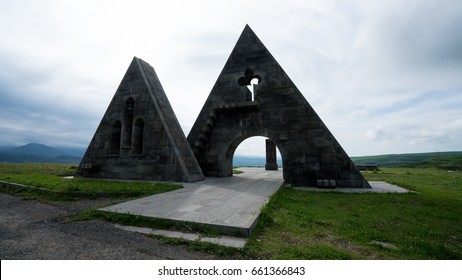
pixel 229 205
pixel 377 187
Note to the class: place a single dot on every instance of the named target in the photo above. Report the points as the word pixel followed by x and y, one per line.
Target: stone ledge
pixel 377 187
pixel 227 241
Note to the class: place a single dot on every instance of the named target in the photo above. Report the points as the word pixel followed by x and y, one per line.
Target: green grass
pixel 49 176
pixel 444 163
pixel 217 250
pixel 422 225
pixel 425 224
pixel 441 160
pixel 236 171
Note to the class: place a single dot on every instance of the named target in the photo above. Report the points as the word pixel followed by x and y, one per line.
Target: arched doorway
pixel 251 151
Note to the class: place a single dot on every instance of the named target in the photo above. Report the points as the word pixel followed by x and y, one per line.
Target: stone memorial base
pixel 271 166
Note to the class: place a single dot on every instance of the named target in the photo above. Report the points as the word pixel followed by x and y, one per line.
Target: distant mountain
pixel 76 152
pixel 35 152
pixel 6 148
pixel 241 160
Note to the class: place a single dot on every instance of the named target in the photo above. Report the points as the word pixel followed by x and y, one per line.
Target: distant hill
pixel 6 148
pixel 447 162
pixel 241 160
pixel 442 160
pixel 35 152
pixel 76 152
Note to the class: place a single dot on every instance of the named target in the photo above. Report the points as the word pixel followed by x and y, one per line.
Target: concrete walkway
pixel 230 204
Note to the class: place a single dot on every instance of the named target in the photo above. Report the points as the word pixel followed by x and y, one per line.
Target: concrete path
pixel 229 204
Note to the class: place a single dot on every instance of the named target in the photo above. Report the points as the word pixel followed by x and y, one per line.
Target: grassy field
pixel 51 176
pixel 424 224
pixel 441 160
pixel 443 163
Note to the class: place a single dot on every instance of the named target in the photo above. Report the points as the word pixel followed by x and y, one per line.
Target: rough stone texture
pixel 139 136
pixel 276 110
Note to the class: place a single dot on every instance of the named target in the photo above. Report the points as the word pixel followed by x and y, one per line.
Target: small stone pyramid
pixel 139 137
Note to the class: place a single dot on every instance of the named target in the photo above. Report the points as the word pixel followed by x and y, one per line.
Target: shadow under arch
pixel 227 154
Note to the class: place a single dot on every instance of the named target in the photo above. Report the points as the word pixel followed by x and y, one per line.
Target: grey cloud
pixel 26 116
pixel 421 33
pixel 361 64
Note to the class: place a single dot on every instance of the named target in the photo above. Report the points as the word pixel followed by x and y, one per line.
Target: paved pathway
pixel 228 204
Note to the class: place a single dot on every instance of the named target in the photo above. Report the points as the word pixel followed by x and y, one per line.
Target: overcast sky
pixel 384 76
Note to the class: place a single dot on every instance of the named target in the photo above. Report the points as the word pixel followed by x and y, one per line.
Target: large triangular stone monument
pixel 275 109
pixel 139 136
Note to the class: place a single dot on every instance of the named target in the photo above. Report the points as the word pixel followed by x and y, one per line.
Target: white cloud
pixel 383 75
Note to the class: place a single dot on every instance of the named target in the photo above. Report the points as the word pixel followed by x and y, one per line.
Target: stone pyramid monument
pixel 139 137
pixel 274 108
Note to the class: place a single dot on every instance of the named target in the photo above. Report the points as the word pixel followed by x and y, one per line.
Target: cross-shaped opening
pixel 252 87
pixel 250 80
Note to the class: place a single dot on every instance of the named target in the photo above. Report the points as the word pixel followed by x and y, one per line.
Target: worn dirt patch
pixel 30 229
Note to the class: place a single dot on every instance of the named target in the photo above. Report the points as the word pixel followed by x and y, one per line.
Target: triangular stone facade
pixel 139 137
pixel 277 110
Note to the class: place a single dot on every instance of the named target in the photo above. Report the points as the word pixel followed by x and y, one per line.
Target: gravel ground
pixel 30 229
